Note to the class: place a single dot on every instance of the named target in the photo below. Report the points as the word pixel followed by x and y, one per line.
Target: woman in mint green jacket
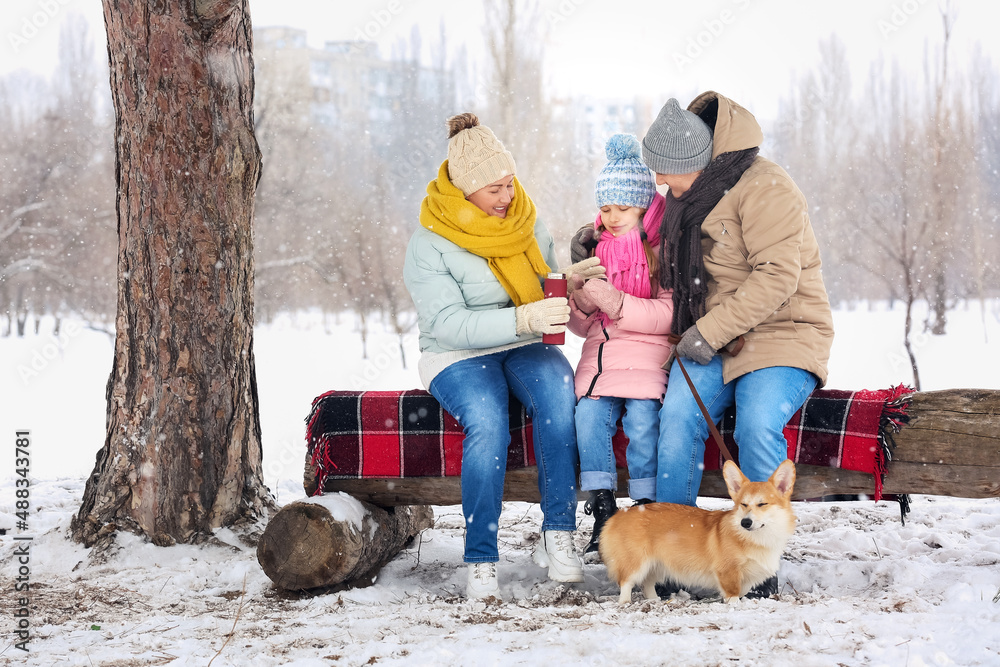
pixel 474 269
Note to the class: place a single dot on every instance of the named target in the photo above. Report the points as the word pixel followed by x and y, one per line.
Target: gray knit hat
pixel 678 141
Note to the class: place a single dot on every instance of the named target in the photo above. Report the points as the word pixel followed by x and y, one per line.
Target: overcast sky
pixel 750 50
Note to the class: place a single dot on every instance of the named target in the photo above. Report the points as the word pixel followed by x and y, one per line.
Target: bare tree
pixel 182 455
pixel 899 182
pixel 56 226
pixel 293 212
pixel 947 170
pixel 984 105
pixel 895 217
pixel 515 106
pixel 342 183
pixel 815 140
pixel 82 189
pixel 554 169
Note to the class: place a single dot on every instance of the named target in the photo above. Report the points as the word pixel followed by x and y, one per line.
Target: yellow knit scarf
pixel 507 243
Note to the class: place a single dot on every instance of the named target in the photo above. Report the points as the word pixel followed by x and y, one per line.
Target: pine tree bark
pixel 182 455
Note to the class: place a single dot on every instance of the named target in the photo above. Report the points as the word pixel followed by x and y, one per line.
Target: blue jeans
pixel 596 424
pixel 475 391
pixel 765 400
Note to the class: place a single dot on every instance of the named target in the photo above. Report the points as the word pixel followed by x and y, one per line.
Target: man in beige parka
pixel 739 251
pixel 757 275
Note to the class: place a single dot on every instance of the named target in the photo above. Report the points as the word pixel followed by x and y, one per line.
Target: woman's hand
pixel 546 316
pixel 588 268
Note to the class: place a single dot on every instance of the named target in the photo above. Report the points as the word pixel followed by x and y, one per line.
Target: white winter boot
pixel 555 551
pixel 482 581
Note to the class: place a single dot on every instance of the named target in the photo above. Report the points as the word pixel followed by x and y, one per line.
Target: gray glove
pixel 694 346
pixel 582 243
pixel 546 316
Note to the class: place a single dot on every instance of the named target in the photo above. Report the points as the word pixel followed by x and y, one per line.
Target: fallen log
pixel 335 540
pixel 951 447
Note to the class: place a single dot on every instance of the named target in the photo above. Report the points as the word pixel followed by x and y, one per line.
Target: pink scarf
pixel 624 258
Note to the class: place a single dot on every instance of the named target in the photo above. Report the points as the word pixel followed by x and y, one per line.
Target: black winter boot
pixel 602 505
pixel 764 589
pixel 666 589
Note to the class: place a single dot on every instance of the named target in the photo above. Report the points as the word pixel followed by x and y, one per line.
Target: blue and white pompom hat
pixel 625 180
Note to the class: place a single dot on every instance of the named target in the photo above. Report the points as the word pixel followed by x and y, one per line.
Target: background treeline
pixel 58 242
pixel 901 173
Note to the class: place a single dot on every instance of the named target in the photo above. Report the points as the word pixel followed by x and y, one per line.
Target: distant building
pixel 347 86
pixel 591 121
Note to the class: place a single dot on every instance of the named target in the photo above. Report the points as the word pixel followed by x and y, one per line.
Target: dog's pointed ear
pixel 734 477
pixel 784 478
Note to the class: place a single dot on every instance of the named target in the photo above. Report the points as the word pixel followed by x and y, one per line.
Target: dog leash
pixel 674 339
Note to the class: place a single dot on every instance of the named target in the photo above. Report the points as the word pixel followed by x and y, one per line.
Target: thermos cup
pixel 555 285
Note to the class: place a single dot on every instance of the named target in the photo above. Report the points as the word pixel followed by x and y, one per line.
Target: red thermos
pixel 555 285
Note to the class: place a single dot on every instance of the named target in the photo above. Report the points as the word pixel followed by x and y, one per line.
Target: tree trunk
pixel 304 546
pixel 182 455
pixel 951 447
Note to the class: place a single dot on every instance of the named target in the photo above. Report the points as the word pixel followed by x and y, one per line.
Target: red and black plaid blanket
pixel 386 434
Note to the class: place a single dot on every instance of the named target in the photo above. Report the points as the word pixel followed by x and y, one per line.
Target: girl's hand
pixel 605 296
pixel 579 296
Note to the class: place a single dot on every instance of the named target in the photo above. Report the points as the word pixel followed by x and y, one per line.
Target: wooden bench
pixel 950 447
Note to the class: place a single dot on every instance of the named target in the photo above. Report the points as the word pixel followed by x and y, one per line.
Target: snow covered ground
pixel 857 587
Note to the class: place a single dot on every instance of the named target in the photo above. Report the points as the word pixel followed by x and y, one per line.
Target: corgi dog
pixel 730 551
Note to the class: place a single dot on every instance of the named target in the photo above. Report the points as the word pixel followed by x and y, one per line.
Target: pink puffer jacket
pixel 624 359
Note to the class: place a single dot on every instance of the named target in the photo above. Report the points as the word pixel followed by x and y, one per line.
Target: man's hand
pixel 694 346
pixel 582 243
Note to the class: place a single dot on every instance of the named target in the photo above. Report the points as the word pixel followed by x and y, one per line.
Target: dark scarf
pixel 682 267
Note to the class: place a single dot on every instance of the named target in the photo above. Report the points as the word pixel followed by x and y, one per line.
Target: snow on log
pixel 335 540
pixel 951 447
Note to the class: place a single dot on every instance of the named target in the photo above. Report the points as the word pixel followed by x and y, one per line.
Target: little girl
pixel 625 320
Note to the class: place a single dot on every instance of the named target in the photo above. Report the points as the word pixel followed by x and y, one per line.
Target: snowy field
pixel 857 588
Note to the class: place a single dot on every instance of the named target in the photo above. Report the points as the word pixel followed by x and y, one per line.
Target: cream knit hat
pixel 476 157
